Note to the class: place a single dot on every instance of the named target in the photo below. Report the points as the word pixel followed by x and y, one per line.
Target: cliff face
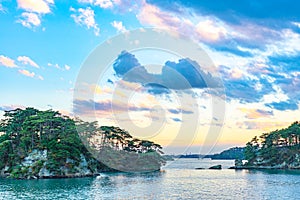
pixel 279 149
pixel 292 162
pixel 36 165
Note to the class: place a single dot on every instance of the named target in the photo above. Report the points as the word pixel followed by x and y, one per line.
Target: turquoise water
pixel 179 181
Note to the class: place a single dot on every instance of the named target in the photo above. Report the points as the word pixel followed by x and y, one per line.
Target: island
pixel 228 154
pixel 38 144
pixel 279 149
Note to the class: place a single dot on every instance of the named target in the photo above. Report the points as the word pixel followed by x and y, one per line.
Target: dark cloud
pixel 110 81
pixel 82 107
pixel 181 75
pixel 233 49
pixel 176 119
pixel 265 112
pixel 190 71
pixel 246 91
pixel 177 111
pixel 283 105
pixel 124 63
pixel 156 89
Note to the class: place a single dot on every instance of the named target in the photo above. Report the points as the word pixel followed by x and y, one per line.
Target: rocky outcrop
pixel 259 163
pixel 35 166
pixel 216 167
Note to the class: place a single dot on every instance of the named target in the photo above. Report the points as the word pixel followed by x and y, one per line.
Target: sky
pixel 246 80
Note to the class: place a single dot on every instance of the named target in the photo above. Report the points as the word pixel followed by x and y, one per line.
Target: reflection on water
pixel 179 181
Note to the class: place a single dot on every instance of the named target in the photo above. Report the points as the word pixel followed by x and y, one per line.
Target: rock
pixel 4 171
pixel 34 156
pixel 216 167
pixel 199 168
pixel 44 172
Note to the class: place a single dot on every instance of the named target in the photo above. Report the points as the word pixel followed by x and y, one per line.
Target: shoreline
pixel 263 167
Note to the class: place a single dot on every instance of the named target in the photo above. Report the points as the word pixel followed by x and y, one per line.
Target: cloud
pixel 26 73
pixel 246 85
pixel 256 113
pixel 176 119
pixel 7 62
pixel 247 90
pixel 27 61
pixel 262 125
pixel 222 28
pixel 178 111
pixel 40 77
pixel 34 9
pixel 67 67
pixel 209 30
pixel 10 107
pixel 104 3
pixel 57 66
pixel 284 105
pixel 29 20
pixel 86 1
pixel 206 29
pixel 187 73
pixel 85 17
pixel 191 72
pixel 30 74
pixel 88 107
pixel 124 63
pixel 119 26
pixel 37 6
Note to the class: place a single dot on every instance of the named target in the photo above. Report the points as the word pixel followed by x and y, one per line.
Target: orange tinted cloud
pixel 26 73
pixel 7 62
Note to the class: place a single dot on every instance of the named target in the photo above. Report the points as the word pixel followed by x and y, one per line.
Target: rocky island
pixel 45 144
pixel 279 149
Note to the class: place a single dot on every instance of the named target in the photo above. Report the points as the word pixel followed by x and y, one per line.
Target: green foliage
pixel 64 138
pixel 232 153
pixel 274 147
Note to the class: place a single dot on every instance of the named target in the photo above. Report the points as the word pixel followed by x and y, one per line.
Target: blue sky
pixel 254 45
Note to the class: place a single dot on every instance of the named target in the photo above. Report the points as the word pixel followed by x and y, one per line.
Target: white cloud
pixel 101 3
pixel 296 24
pixel 40 77
pixel 104 3
pixel 67 67
pixel 30 20
pixel 30 74
pixel 26 73
pixel 201 28
pixel 209 30
pixel 27 61
pixel 7 62
pixel 119 26
pixel 34 9
pixel 287 45
pixel 86 17
pixel 57 66
pixel 86 1
pixel 37 6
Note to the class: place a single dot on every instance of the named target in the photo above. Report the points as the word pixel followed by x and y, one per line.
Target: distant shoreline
pixel 262 168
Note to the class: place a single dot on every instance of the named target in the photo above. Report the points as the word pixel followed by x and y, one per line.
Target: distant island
pixel 229 154
pixel 279 149
pixel 45 144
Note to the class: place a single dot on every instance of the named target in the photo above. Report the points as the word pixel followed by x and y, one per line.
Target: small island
pixel 38 144
pixel 279 149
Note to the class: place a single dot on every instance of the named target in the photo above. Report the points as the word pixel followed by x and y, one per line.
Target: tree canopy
pixel 275 147
pixel 25 130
